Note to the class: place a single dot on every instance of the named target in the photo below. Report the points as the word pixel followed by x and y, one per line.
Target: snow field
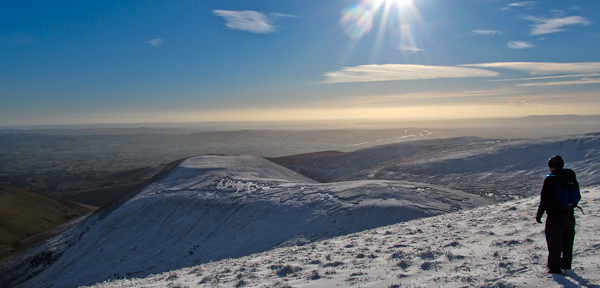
pixel 210 208
pixel 492 246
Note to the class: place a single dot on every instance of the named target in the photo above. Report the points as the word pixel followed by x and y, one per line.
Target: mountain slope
pixel 24 214
pixel 494 246
pixel 215 207
pixel 504 169
pixel 211 208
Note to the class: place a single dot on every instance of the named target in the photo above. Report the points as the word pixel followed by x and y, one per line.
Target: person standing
pixel 560 222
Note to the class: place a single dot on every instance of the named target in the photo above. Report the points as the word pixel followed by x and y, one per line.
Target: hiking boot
pixel 567 272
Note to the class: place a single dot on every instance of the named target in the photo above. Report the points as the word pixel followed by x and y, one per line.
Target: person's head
pixel 555 162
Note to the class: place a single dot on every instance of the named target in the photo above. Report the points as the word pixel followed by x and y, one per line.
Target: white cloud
pixel 409 48
pixel 546 77
pixel 487 32
pixel 392 72
pixel 546 26
pixel 562 83
pixel 519 45
pixel 522 4
pixel 544 68
pixel 283 15
pixel 249 21
pixel 156 42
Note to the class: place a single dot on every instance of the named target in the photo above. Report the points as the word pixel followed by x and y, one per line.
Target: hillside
pixel 502 169
pixel 494 246
pixel 210 208
pixel 24 214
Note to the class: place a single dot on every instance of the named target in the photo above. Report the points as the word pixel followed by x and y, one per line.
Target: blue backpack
pixel 567 190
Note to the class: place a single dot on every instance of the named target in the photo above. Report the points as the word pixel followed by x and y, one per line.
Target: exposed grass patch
pixel 24 215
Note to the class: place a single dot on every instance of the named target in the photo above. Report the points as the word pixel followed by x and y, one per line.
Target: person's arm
pixel 548 190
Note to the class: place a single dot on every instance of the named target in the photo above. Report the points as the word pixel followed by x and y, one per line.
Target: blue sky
pixel 81 62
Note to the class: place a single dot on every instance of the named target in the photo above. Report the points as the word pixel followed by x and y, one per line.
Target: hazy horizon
pixel 569 120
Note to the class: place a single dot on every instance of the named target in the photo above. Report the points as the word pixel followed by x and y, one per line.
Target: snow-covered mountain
pixel 211 208
pixel 504 169
pixel 493 246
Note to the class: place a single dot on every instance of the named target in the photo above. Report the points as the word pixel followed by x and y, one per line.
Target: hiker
pixel 560 222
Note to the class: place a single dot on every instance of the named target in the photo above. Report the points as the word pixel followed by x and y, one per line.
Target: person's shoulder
pixel 567 173
pixel 550 179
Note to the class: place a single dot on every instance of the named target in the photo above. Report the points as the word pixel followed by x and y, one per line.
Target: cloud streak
pixel 544 68
pixel 519 45
pixel 393 72
pixel 282 15
pixel 249 21
pixel 409 48
pixel 487 32
pixel 546 77
pixel 543 26
pixel 562 83
pixel 156 42
pixel 524 4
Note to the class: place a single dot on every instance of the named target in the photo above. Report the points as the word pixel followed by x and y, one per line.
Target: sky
pixel 85 62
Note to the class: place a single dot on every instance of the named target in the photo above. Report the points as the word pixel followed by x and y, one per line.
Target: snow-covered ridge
pixel 506 169
pixel 494 246
pixel 210 208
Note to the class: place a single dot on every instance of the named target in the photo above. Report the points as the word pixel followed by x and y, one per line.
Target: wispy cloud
pixel 562 83
pixel 409 48
pixel 524 4
pixel 281 15
pixel 544 68
pixel 156 42
pixel 543 26
pixel 519 45
pixel 487 32
pixel 249 21
pixel 546 77
pixel 392 72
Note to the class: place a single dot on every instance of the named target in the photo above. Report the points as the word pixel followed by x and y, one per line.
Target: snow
pixel 505 169
pixel 493 246
pixel 234 221
pixel 211 208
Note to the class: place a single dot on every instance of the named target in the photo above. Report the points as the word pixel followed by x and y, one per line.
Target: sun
pixel 387 3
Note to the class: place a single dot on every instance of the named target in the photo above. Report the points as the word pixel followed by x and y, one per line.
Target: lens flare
pixel 356 21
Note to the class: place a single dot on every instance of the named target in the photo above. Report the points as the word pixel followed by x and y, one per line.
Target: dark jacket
pixel 549 193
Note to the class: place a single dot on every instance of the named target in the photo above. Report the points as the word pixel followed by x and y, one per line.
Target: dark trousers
pixel 560 234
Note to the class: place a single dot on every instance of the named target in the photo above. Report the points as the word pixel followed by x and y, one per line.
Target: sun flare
pixel 400 3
